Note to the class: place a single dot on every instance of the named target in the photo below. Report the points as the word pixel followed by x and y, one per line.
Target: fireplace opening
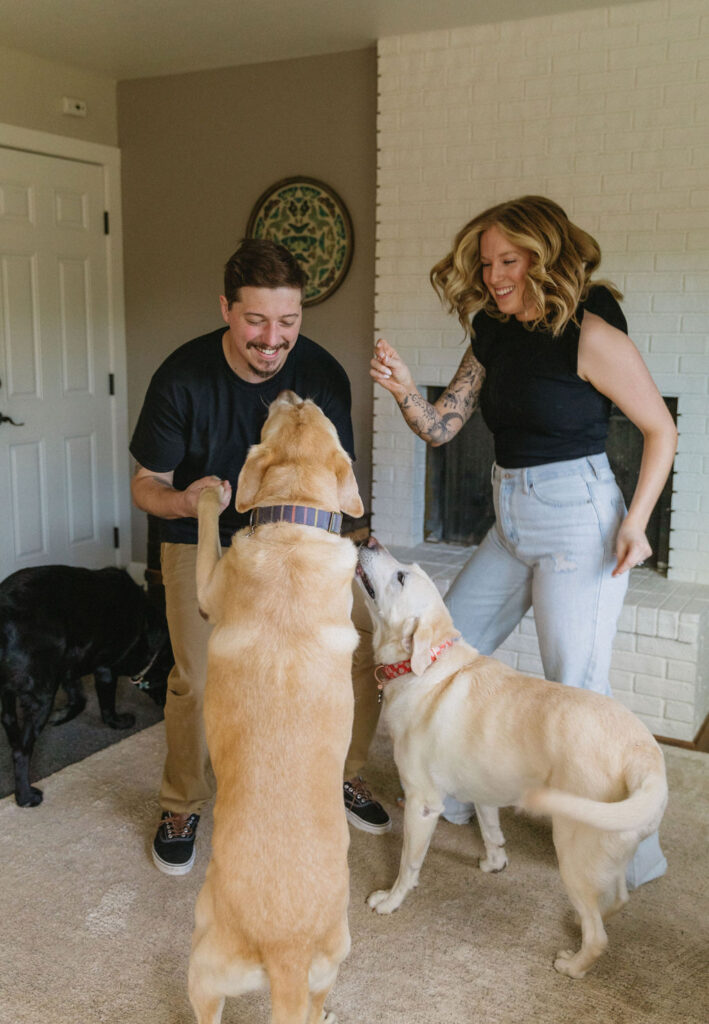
pixel 458 503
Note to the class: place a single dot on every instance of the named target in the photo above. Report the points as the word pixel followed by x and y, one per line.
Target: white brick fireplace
pixel 607 112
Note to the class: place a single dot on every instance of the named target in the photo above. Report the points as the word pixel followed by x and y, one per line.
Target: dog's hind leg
pixel 582 865
pixel 318 1014
pixel 615 897
pixel 214 974
pixel 495 858
pixel 420 819
pixel 291 998
pixel 212 977
pixel 76 702
pixel 105 682
pixel 323 972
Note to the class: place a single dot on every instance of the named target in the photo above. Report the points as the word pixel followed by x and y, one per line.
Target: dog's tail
pixel 641 811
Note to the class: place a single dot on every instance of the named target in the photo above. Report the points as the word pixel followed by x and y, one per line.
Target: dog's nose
pixel 290 398
pixel 372 542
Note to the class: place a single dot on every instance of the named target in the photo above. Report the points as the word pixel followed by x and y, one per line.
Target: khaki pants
pixel 188 781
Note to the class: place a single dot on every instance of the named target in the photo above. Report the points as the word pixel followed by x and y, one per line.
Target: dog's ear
pixel 251 476
pixel 347 491
pixel 417 641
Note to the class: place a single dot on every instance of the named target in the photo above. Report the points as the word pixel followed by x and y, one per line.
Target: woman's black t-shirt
pixel 200 418
pixel 532 399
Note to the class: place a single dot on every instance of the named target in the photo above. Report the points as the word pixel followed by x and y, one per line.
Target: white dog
pixel 470 726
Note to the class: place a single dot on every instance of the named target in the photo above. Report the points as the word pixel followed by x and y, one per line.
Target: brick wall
pixel 605 111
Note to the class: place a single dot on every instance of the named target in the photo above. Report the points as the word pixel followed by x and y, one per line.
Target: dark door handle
pixel 9 419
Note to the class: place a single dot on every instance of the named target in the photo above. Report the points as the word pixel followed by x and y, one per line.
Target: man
pixel 204 408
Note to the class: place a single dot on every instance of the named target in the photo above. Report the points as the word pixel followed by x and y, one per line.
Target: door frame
pixel 109 159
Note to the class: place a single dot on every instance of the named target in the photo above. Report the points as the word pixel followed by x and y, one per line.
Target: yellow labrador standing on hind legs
pixel 278 715
pixel 472 727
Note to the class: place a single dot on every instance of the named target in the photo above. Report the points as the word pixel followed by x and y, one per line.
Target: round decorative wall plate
pixel 312 222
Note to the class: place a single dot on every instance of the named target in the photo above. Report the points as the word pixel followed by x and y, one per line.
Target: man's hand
pixel 192 493
pixel 154 493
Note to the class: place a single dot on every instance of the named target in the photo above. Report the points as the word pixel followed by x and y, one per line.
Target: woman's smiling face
pixel 505 267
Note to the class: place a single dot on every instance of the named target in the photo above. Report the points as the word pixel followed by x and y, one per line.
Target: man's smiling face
pixel 263 328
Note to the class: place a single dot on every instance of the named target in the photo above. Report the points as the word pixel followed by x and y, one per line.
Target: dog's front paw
pixel 115 721
pixel 214 494
pixel 223 494
pixel 328 1018
pixel 383 901
pixel 496 860
pixel 567 963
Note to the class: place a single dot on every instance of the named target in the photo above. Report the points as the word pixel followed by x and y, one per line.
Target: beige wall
pixel 197 151
pixel 31 91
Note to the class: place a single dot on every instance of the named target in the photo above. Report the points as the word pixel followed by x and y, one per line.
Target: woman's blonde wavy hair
pixel 563 258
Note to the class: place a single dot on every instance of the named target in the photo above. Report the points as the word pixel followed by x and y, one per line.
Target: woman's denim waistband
pixel 590 467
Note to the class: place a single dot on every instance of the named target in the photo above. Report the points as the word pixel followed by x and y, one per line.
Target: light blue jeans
pixel 552 548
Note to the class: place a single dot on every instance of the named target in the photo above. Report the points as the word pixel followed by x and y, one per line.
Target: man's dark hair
pixel 261 263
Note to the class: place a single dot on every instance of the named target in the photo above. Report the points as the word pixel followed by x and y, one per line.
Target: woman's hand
pixel 438 423
pixel 631 548
pixel 389 369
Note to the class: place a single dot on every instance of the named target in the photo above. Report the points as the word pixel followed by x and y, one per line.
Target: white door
pixel 56 443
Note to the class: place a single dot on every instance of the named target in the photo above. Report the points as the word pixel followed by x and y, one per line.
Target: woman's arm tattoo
pixel 441 421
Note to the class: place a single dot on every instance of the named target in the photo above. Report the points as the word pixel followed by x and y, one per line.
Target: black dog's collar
pixel 304 515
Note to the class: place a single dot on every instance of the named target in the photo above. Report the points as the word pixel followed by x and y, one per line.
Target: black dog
pixel 58 624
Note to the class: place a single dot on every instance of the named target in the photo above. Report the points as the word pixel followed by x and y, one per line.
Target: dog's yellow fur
pixel 474 728
pixel 278 715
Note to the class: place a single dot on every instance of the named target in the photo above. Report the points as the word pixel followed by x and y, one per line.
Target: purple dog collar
pixel 303 515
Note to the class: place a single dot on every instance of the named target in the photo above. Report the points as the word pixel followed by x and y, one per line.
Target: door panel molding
pixel 109 159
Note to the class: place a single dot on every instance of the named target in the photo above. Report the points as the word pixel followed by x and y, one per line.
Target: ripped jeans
pixel 552 547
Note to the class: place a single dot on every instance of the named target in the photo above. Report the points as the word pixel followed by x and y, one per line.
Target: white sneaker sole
pixel 365 826
pixel 173 869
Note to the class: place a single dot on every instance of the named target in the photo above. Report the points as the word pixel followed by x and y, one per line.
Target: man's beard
pixel 270 372
pixel 265 374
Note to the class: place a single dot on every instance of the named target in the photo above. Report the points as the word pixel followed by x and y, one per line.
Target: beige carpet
pixel 91 932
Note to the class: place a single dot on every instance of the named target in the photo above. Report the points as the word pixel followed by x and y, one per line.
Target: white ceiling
pixel 141 38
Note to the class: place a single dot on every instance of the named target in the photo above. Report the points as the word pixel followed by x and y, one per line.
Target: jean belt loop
pixel 526 482
pixel 592 460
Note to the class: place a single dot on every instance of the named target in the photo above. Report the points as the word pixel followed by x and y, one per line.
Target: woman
pixel 548 356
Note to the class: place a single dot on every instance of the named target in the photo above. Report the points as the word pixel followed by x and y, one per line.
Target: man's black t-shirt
pixel 200 419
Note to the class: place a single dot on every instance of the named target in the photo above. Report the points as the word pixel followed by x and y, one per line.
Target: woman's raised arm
pixel 436 422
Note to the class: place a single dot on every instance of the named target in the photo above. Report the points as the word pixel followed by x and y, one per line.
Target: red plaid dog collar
pixel 402 668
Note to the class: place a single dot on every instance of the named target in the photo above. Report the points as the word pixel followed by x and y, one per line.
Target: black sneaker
pixel 362 809
pixel 173 846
